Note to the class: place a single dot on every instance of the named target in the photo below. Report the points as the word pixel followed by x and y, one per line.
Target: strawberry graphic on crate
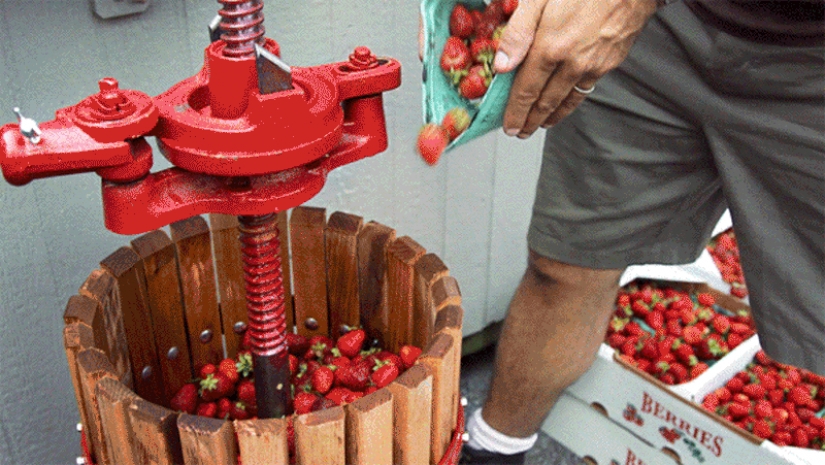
pixel 670 434
pixel 630 414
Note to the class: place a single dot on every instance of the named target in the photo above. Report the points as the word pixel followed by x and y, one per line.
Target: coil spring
pixel 261 255
pixel 243 25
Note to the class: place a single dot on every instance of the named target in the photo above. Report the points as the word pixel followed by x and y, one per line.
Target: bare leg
pixel 551 334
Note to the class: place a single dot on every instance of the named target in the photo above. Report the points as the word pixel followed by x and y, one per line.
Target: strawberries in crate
pixel 725 252
pixel 671 334
pixel 781 403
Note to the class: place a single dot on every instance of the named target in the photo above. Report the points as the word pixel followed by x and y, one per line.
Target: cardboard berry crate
pixel 712 383
pixel 708 305
pixel 573 423
pixel 654 412
pixel 155 312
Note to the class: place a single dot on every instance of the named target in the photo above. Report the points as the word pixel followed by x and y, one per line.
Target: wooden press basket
pixel 155 311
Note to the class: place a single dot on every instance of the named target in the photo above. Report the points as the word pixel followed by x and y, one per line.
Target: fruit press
pixel 248 136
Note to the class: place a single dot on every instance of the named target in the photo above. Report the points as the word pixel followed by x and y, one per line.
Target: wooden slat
pixel 341 241
pixel 286 269
pixel 160 272
pixel 84 309
pixel 373 241
pixel 113 399
pixel 446 292
pixel 207 441
pixel 428 270
pixel 369 429
pixel 124 264
pixel 449 320
pixel 411 392
pixel 93 365
pixel 402 254
pixel 102 287
pixel 229 267
pixel 263 442
pixel 440 360
pixel 319 437
pixel 306 232
pixel 78 337
pixel 193 248
pixel 156 439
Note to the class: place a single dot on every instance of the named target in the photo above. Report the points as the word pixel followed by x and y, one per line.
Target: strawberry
pixel 303 402
pixel 342 395
pixel 800 438
pixel 293 364
pixel 227 368
pixel 721 324
pixel 634 329
pixel 322 379
pixel 350 343
pixel 498 33
pixel 754 391
pixel 705 299
pixel 679 372
pixel 323 403
pixel 649 349
pixel 734 340
pixel 355 377
pixel 763 409
pixel 224 404
pixel 320 346
pixel 207 370
pixel 674 328
pixel 508 7
pixel 711 402
pixel 474 85
pixel 735 385
pixel 238 411
pixel 186 399
pixel 762 429
pixel 215 386
pixel 409 354
pixel 455 58
pixel 207 409
pixel 246 391
pixel 494 12
pixel 456 121
pixel 384 375
pixel 244 367
pixel 432 140
pixel 698 369
pixel 384 357
pixel 800 396
pixel 246 340
pixel 655 320
pixel 461 22
pixel 297 344
pixel 640 309
pixel 692 335
pixel 738 411
pixel 482 51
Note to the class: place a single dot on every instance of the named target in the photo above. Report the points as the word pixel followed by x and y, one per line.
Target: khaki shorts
pixel 694 121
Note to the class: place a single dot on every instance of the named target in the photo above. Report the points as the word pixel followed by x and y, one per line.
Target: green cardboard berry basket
pixel 439 96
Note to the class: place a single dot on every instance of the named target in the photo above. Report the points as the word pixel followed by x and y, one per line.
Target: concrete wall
pixel 472 209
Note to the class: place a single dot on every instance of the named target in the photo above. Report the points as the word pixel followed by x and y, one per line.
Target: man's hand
pixel 562 44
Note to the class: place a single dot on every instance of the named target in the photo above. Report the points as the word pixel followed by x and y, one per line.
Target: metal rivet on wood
pixel 146 373
pixel 239 327
pixel 206 336
pixel 311 324
pixel 173 353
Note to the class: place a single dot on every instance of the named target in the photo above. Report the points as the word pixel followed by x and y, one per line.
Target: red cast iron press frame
pixel 248 136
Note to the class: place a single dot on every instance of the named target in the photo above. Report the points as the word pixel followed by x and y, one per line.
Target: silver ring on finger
pixel 584 91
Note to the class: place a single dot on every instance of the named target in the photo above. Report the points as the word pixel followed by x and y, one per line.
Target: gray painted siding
pixel 472 209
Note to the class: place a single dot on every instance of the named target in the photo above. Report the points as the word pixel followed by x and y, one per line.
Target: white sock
pixel 484 437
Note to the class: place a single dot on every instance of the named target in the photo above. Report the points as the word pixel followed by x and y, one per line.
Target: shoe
pixel 471 456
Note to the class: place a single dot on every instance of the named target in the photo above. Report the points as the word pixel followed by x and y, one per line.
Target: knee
pixel 547 272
